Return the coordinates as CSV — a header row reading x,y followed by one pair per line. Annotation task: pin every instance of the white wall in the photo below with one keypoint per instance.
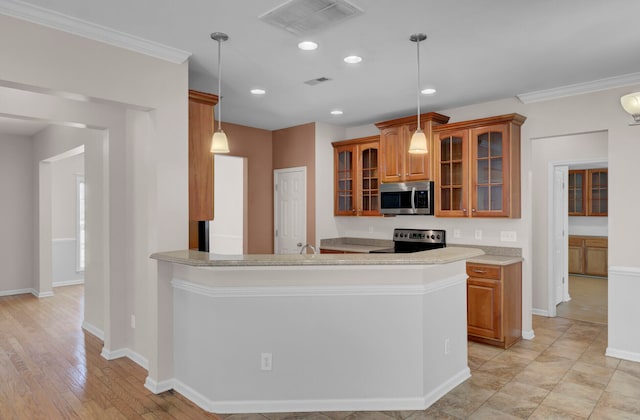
x,y
16,222
63,200
326,226
140,103
588,225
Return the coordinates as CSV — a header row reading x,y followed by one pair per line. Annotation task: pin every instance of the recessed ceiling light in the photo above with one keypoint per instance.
x,y
352,59
258,91
308,45
336,112
428,91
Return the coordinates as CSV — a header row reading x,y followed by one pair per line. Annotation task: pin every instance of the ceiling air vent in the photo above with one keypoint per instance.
x,y
314,82
301,17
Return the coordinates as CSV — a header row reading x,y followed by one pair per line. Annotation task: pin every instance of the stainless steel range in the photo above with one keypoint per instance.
x,y
415,240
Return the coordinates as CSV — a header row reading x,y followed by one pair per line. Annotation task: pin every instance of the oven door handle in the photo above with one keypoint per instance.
x,y
413,200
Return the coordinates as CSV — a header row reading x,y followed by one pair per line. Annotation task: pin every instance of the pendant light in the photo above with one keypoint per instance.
x,y
418,140
219,143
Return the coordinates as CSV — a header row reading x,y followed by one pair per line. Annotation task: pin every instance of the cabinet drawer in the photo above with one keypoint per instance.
x,y
596,242
575,241
483,271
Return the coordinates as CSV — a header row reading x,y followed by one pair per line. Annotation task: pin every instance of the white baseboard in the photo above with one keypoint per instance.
x,y
528,335
126,352
289,406
93,330
37,294
622,354
17,292
541,312
159,387
68,283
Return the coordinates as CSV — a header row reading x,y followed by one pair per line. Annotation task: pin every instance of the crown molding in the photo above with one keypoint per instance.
x,y
70,24
580,88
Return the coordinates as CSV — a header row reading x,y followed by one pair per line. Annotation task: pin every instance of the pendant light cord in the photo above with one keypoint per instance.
x,y
418,91
219,87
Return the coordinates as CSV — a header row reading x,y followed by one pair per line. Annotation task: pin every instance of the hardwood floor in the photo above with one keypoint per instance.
x,y
51,369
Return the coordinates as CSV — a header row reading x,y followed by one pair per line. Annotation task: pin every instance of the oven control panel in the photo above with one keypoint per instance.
x,y
419,235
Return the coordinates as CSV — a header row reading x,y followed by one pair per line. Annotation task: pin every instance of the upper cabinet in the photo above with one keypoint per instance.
x,y
356,177
588,192
396,163
478,167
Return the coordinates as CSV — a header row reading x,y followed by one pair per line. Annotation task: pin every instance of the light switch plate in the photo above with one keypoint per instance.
x,y
478,234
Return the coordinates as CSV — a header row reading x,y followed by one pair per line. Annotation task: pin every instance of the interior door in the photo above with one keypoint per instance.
x,y
290,210
560,248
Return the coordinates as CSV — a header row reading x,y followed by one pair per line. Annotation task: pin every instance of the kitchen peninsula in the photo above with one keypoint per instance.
x,y
286,333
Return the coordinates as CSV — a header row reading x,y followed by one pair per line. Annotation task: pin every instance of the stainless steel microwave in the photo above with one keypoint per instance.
x,y
407,198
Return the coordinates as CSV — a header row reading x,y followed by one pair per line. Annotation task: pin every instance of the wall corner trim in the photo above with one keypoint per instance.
x,y
92,329
158,387
125,352
85,29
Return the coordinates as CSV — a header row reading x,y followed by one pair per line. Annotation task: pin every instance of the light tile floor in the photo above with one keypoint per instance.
x,y
561,374
588,300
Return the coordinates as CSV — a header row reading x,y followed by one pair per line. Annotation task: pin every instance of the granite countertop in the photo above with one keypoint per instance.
x,y
436,256
495,259
359,245
494,255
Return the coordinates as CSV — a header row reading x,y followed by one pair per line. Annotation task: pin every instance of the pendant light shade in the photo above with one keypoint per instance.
x,y
418,143
219,143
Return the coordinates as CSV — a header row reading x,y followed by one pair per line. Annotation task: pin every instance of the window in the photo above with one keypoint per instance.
x,y
80,225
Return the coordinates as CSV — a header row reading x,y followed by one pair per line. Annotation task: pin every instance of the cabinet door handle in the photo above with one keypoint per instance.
x,y
473,210
479,271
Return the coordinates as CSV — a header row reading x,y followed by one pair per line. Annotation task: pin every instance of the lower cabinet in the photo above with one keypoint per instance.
x,y
588,255
494,303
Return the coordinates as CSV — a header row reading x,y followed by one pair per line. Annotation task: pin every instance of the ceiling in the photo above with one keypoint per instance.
x,y
20,127
476,51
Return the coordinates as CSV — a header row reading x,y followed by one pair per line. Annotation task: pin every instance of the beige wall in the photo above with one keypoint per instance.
x,y
293,147
256,145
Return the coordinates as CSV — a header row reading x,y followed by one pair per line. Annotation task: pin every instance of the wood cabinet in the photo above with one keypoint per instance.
x,y
588,192
356,177
477,170
396,163
589,255
494,303
201,106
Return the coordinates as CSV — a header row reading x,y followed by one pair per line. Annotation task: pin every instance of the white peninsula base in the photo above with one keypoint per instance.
x,y
311,338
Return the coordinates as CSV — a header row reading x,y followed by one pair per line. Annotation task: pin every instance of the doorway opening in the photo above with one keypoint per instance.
x,y
228,233
572,293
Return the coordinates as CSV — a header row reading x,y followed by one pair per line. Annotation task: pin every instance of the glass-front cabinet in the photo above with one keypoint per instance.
x,y
577,193
478,167
490,170
588,192
356,177
451,197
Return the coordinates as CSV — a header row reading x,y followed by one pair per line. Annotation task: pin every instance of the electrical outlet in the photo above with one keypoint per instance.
x,y
478,234
266,361
370,229
133,321
457,233
508,236
447,346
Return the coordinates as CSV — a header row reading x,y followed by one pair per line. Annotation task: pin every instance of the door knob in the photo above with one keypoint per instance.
x,y
299,244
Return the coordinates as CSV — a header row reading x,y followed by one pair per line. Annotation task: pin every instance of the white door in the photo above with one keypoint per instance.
x,y
560,223
290,210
